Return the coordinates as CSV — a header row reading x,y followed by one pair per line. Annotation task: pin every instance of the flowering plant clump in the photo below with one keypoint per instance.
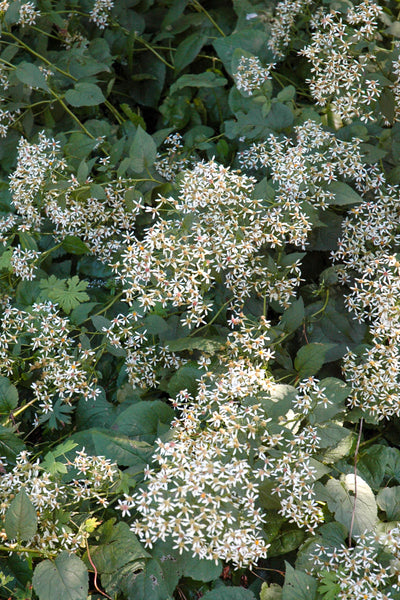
x,y
199,300
29,487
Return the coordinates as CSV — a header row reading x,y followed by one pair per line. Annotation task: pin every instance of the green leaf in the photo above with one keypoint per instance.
x,y
342,502
288,93
393,463
337,439
8,396
336,392
298,585
271,592
52,466
286,541
31,75
100,322
141,420
344,194
118,546
188,49
115,446
66,577
84,94
279,117
68,293
20,520
372,464
252,40
293,316
74,245
154,324
94,412
279,400
229,593
142,152
27,241
81,312
209,346
200,80
329,586
5,259
162,573
310,358
10,444
388,499
185,378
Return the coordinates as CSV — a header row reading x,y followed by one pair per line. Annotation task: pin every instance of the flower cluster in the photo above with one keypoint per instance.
x,y
396,84
97,217
205,494
100,13
286,13
309,396
250,74
341,72
143,358
92,476
370,265
22,262
174,161
359,572
301,174
58,370
41,189
7,117
28,14
213,231
37,165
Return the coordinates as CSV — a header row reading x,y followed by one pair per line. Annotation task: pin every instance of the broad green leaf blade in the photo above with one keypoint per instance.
x,y
74,245
115,446
279,400
84,94
342,502
141,420
298,585
10,444
143,151
344,194
286,541
293,317
20,518
66,578
270,592
119,546
210,346
188,49
336,392
310,358
31,75
388,499
200,80
185,378
8,396
155,324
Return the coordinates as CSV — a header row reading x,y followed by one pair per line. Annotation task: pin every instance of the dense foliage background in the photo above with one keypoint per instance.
x,y
199,312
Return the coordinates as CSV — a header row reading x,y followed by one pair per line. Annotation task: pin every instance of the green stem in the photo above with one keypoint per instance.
x,y
209,17
18,412
9,549
69,111
324,306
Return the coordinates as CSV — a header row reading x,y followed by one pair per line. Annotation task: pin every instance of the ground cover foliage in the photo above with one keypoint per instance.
x,y
199,314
